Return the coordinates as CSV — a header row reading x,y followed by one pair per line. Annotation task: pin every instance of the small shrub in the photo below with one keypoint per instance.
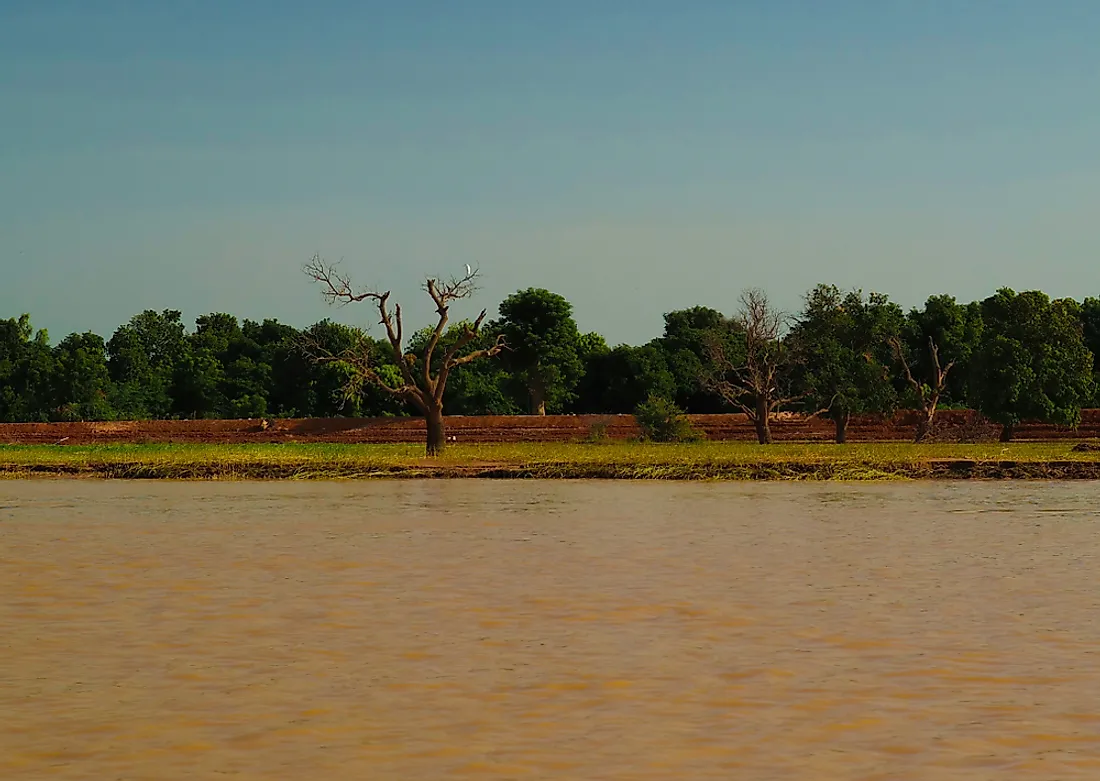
x,y
976,429
662,421
597,432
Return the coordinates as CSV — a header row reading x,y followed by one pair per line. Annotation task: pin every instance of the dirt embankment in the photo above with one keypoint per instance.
x,y
952,426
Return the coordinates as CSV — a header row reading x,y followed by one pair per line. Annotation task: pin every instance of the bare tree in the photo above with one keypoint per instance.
x,y
754,385
927,396
422,381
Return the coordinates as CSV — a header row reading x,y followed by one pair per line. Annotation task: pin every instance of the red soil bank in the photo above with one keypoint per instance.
x,y
518,428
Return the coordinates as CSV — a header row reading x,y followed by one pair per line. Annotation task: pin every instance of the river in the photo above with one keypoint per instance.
x,y
557,630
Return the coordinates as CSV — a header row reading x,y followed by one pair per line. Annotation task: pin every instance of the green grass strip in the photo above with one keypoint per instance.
x,y
616,460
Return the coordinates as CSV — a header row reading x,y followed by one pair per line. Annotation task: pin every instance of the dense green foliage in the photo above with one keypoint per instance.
x,y
841,349
543,353
1031,362
662,421
1014,356
956,330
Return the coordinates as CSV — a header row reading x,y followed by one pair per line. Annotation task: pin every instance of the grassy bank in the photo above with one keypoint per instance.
x,y
703,461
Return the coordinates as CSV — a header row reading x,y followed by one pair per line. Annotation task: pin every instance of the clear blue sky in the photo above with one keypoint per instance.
x,y
635,156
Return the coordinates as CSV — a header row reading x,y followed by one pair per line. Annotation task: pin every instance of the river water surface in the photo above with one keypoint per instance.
x,y
572,630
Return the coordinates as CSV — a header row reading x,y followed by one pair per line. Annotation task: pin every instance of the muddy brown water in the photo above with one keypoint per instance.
x,y
572,630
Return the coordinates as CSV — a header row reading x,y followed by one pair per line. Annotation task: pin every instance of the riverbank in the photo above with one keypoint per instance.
x,y
952,426
630,461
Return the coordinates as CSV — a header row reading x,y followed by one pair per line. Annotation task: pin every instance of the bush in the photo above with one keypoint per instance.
x,y
662,421
597,432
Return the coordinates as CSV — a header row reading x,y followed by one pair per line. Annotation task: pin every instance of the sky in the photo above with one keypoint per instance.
x,y
634,156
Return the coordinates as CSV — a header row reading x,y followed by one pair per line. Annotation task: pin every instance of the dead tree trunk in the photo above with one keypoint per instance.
x,y
925,423
1007,430
424,378
753,386
928,396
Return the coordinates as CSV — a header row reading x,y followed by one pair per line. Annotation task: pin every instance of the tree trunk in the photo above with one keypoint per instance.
x,y
436,436
761,421
927,421
841,422
924,428
1006,432
538,399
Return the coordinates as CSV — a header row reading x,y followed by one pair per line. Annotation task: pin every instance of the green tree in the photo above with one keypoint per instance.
x,y
592,350
1031,362
197,378
329,384
1090,331
686,342
275,350
590,344
617,380
229,374
82,385
955,329
841,343
26,372
14,335
142,359
662,421
542,349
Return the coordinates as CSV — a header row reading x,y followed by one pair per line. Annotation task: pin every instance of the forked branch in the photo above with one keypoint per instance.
x,y
928,396
752,386
360,360
442,294
425,387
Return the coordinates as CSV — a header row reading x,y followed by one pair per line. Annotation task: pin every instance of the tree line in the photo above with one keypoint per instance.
x,y
1011,356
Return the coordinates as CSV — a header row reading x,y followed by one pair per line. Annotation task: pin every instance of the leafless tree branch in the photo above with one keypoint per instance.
x,y
425,391
336,288
928,396
443,293
358,357
754,386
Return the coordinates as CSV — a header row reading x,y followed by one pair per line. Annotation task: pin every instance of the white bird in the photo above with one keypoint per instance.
x,y
469,270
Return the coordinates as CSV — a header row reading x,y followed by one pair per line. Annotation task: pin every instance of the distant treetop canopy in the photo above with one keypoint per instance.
x,y
1012,356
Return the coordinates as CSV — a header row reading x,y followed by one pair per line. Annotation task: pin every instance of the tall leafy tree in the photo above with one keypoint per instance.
x,y
26,372
82,385
1090,332
142,359
955,329
686,344
1031,362
195,390
617,380
933,352
276,350
330,388
542,350
592,349
841,344
232,375
14,335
